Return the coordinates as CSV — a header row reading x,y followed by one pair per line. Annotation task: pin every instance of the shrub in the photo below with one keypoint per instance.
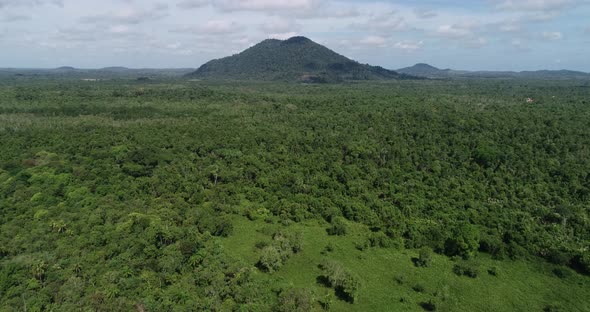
x,y
295,300
400,279
223,227
418,288
329,248
552,308
469,270
464,241
581,263
428,305
261,244
270,259
338,227
343,281
561,272
379,239
493,271
424,258
326,302
283,245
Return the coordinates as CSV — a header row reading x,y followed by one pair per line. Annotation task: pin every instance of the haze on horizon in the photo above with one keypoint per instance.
x,y
478,35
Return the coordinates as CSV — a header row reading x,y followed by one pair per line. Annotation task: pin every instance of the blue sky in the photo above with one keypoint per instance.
x,y
469,34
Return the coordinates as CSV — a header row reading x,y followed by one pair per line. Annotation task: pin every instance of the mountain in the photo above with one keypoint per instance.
x,y
428,71
294,59
424,70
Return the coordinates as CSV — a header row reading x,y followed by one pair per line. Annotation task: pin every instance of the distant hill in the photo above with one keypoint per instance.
x,y
65,68
115,68
294,59
428,71
424,70
106,73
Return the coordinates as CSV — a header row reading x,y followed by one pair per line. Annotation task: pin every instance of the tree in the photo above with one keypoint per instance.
x,y
463,242
338,227
270,259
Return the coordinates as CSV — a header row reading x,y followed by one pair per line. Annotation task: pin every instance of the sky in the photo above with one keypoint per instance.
x,y
466,34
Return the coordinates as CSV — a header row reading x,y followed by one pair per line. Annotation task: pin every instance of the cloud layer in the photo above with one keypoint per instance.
x,y
186,33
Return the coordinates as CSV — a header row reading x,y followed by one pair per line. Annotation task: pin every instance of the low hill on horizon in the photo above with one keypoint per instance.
x,y
294,59
429,71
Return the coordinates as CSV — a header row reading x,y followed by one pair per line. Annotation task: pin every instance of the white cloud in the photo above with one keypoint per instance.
x,y
375,41
128,15
552,35
509,26
9,18
266,5
534,5
193,4
279,25
17,3
425,13
454,31
520,45
539,10
477,42
343,12
409,46
385,22
212,27
282,36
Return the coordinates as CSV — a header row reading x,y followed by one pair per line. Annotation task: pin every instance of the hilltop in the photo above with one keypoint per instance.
x,y
294,59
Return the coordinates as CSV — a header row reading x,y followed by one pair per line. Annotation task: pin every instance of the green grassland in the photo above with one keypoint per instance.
x,y
518,285
178,195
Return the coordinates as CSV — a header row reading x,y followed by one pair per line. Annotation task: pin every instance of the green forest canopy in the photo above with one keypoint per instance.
x,y
132,195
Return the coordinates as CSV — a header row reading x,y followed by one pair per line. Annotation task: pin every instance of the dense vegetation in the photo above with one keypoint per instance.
x,y
294,59
183,196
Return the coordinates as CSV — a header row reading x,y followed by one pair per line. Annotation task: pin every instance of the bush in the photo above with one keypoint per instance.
x,y
362,245
419,288
581,263
400,279
465,269
326,302
283,246
561,272
343,281
338,227
424,258
428,305
295,300
270,259
464,241
552,308
558,257
329,248
493,271
223,227
379,239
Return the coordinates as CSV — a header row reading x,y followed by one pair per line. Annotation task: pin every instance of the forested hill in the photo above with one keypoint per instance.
x,y
294,59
